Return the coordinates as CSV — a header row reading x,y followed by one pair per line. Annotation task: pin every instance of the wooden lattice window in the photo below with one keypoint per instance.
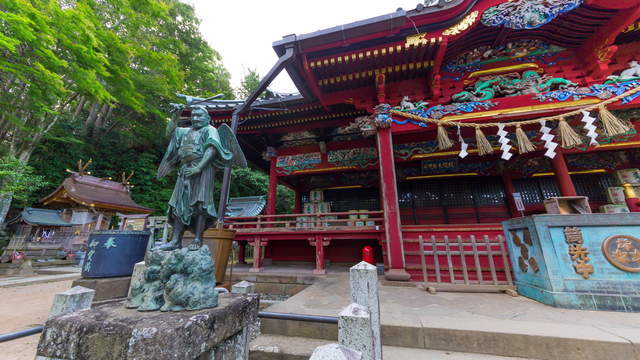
x,y
535,190
593,186
352,199
452,200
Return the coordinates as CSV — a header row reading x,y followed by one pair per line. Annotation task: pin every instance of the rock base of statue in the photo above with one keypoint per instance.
x,y
176,280
112,332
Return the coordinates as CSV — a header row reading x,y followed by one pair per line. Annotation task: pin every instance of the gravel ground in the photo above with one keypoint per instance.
x,y
22,307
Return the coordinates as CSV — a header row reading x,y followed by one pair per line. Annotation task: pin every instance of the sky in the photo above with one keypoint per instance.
x,y
242,31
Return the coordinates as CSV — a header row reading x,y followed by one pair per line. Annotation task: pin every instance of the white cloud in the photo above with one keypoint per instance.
x,y
243,31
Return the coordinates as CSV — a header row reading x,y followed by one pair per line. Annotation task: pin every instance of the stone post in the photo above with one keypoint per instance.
x,y
137,277
75,299
335,352
354,330
243,287
364,291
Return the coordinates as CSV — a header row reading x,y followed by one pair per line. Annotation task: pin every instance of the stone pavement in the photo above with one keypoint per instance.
x,y
44,275
16,281
271,347
496,324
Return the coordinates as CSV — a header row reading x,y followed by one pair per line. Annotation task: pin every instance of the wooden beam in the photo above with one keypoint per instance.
x,y
433,79
597,52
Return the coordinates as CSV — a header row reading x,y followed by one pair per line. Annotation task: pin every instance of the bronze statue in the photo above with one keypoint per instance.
x,y
196,152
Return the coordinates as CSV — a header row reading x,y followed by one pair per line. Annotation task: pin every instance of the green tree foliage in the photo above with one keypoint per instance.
x,y
107,63
249,83
92,79
18,179
96,67
247,182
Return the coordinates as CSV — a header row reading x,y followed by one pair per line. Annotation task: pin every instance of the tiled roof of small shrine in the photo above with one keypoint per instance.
x,y
91,191
43,217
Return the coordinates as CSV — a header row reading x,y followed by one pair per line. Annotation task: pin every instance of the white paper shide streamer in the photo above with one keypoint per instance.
x,y
588,120
463,145
504,143
547,137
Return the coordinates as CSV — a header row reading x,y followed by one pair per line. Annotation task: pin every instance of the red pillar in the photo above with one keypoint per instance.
x,y
562,175
509,189
241,252
320,263
389,195
273,189
257,255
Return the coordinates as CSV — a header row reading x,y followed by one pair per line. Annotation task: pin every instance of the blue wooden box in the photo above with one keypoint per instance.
x,y
588,262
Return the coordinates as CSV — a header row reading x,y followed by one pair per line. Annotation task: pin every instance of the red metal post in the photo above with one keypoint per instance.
x,y
273,189
509,189
562,175
367,255
389,195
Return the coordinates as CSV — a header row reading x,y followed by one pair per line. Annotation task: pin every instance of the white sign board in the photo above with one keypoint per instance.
x,y
517,198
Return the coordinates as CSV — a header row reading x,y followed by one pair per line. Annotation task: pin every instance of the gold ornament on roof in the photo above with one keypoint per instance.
x,y
463,25
417,39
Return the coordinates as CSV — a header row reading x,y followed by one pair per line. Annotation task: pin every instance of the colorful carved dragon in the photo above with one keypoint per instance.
x,y
511,84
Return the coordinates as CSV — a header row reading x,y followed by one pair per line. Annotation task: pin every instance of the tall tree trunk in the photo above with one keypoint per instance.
x,y
5,205
91,119
80,106
101,117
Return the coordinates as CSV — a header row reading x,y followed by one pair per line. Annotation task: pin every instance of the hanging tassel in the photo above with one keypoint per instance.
x,y
611,124
524,144
568,137
483,145
443,138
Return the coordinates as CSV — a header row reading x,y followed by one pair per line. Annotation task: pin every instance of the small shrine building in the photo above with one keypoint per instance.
x,y
89,202
416,128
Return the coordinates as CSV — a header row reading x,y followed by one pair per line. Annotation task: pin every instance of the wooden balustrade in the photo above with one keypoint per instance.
x,y
462,261
303,222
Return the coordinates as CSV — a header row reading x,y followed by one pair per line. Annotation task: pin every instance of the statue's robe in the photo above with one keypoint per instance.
x,y
193,195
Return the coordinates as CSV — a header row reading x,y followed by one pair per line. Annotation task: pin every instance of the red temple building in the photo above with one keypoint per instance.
x,y
412,131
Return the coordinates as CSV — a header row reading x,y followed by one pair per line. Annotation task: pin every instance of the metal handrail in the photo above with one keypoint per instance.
x,y
262,314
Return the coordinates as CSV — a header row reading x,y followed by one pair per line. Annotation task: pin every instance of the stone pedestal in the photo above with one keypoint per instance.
x,y
106,288
586,262
111,331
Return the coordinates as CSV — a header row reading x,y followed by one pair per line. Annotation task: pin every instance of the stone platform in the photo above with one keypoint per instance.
x,y
111,331
493,324
106,288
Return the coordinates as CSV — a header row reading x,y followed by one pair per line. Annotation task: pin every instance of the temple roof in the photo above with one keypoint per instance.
x,y
43,217
246,206
94,192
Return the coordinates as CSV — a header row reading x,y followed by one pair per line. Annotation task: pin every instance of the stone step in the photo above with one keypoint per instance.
x,y
274,347
528,339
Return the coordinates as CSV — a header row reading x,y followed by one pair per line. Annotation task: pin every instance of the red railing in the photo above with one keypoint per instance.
x,y
361,220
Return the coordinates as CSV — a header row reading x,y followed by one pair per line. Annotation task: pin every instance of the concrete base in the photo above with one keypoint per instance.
x,y
255,270
397,275
106,288
320,272
112,332
583,301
